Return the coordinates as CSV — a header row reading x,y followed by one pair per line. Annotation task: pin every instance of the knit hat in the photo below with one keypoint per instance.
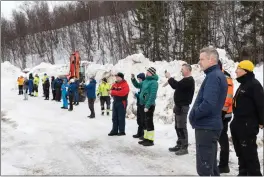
x,y
104,80
246,65
152,70
120,75
141,76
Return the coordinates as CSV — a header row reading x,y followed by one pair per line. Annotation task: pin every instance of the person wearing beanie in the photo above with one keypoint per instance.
x,y
119,92
248,104
53,87
226,118
91,95
104,92
140,116
147,97
183,95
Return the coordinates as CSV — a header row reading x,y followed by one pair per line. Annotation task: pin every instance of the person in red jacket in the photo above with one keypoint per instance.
x,y
119,92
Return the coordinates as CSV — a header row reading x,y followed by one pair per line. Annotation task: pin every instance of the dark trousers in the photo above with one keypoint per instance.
x,y
35,88
20,89
76,97
105,100
244,137
71,97
140,120
91,105
206,152
46,93
181,113
119,116
53,94
149,124
224,145
58,94
43,88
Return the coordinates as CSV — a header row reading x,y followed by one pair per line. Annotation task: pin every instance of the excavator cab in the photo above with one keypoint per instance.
x,y
77,71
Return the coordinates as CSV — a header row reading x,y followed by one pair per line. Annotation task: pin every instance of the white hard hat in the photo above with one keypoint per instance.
x,y
71,80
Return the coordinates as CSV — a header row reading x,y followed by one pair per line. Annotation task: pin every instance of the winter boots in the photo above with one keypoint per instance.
x,y
179,149
139,134
148,139
224,169
175,149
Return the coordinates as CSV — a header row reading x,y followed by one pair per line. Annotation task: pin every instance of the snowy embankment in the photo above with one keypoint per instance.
x,y
42,138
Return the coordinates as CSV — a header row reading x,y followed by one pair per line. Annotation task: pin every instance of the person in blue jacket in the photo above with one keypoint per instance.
x,y
206,114
91,95
30,84
64,91
76,94
71,92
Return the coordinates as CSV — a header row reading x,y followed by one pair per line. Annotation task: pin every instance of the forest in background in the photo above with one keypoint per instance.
x,y
108,31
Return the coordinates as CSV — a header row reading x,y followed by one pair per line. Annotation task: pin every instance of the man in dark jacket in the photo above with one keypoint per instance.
x,y
119,92
248,109
46,87
183,95
140,119
205,116
58,83
91,95
53,87
71,92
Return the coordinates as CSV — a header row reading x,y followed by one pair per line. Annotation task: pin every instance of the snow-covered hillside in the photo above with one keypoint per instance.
x,y
39,138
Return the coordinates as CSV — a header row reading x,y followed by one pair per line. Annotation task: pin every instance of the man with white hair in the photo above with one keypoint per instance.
x,y
205,116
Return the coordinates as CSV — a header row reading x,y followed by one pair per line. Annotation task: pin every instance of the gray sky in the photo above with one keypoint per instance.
x,y
8,6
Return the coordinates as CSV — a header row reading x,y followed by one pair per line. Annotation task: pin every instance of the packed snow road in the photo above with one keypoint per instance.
x,y
38,138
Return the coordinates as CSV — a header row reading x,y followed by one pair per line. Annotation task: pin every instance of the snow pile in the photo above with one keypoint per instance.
x,y
9,75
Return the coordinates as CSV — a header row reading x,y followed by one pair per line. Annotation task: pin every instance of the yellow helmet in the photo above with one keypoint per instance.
x,y
246,65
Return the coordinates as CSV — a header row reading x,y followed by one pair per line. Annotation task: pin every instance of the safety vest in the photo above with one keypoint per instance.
x,y
103,89
20,81
36,81
229,97
44,79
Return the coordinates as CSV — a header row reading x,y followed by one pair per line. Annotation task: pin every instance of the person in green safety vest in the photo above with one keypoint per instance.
x,y
103,92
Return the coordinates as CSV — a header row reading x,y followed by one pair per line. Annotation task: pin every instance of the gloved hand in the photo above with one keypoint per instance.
x,y
145,109
133,76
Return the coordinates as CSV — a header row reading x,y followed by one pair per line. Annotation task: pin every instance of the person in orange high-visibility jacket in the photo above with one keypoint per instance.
x,y
226,117
20,82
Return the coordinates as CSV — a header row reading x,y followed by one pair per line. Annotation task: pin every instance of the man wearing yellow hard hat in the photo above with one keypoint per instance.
x,y
248,105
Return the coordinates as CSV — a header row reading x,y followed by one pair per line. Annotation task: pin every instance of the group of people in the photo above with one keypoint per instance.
x,y
213,109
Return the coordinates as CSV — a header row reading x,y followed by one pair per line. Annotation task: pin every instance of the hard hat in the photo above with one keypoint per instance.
x,y
246,65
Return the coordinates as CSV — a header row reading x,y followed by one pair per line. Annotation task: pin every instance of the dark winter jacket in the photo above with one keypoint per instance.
x,y
90,89
248,104
184,90
207,109
120,91
58,83
46,84
149,88
72,88
52,83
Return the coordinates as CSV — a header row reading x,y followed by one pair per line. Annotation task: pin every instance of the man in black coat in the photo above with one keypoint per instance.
x,y
248,109
46,87
183,95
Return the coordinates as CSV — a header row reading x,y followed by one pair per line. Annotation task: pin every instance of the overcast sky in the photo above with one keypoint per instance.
x,y
8,6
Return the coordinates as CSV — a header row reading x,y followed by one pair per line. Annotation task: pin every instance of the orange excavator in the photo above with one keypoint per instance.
x,y
77,71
